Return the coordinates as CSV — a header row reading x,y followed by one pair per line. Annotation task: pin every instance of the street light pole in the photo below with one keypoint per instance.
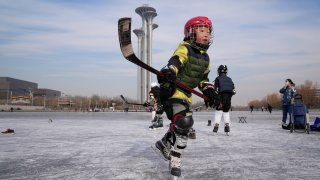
x,y
57,102
44,102
8,96
31,95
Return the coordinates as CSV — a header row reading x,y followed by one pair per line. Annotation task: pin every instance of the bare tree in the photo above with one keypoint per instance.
x,y
308,91
274,100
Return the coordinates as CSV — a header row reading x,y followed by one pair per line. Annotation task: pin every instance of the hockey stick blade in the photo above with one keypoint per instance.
x,y
124,32
124,99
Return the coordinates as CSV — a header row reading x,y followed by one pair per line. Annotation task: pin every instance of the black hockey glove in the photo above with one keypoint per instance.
x,y
209,91
167,83
168,75
146,104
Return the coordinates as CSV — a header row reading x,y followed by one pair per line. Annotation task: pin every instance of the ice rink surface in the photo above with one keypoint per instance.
x,y
116,145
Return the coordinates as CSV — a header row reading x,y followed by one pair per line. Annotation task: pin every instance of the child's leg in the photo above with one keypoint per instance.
x,y
181,124
217,116
226,118
175,140
217,119
226,108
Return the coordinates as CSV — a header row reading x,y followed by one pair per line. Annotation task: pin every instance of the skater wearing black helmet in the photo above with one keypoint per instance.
x,y
225,88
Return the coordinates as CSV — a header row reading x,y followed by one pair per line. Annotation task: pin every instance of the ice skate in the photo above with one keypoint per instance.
x,y
157,125
156,118
192,134
227,129
152,126
215,129
161,150
209,123
175,165
8,131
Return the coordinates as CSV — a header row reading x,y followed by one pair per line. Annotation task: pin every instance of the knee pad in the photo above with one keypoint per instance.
x,y
182,123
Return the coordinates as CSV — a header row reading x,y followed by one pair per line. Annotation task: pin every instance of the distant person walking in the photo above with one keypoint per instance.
x,y
269,108
251,108
288,92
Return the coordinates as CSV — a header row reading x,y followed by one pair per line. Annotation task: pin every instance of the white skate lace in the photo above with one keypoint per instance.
x,y
166,152
175,162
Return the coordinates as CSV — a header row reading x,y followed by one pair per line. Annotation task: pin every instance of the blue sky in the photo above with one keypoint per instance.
x,y
72,46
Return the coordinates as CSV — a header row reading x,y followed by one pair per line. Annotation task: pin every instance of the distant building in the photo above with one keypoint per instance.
x,y
46,92
20,91
317,95
15,87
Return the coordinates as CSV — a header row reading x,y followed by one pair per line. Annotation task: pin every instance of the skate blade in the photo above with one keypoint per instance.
x,y
227,134
158,152
153,129
214,133
175,177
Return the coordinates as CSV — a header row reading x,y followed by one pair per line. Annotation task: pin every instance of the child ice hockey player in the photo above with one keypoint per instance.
x,y
190,65
157,121
225,88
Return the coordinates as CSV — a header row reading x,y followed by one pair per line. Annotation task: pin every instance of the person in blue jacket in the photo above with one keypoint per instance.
x,y
288,92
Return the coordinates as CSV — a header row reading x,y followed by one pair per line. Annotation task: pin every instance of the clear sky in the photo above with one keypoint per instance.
x,y
72,46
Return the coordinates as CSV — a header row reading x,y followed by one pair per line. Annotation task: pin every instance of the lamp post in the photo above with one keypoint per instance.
x,y
8,96
113,104
58,102
31,95
89,105
44,102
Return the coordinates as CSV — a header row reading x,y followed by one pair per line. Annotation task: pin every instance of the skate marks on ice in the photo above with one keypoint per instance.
x,y
117,146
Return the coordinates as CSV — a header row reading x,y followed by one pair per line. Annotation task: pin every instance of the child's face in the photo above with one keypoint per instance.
x,y
203,34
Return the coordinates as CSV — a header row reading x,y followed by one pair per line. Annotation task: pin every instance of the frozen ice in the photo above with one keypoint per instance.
x,y
117,145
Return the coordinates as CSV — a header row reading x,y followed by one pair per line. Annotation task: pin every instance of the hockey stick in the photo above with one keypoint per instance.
x,y
124,32
130,103
124,99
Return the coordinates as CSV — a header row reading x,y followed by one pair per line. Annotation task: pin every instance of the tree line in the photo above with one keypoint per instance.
x,y
308,91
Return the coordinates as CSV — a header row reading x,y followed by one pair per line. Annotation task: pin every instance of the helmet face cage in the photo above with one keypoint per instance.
x,y
222,69
192,25
193,36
